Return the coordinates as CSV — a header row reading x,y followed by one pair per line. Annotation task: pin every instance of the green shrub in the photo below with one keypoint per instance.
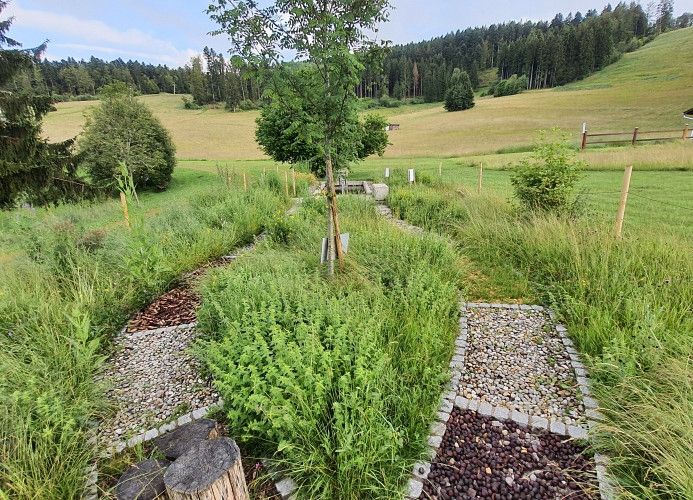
x,y
338,380
188,103
248,105
511,86
546,180
122,129
428,208
460,94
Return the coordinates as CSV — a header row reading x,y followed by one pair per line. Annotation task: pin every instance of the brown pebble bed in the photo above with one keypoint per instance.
x,y
481,457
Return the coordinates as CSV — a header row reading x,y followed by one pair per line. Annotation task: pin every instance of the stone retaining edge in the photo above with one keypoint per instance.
x,y
450,398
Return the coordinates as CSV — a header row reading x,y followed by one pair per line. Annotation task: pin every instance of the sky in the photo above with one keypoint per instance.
x,y
171,31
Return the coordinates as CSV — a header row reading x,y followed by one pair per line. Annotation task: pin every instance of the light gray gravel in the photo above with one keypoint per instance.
x,y
152,378
515,359
385,211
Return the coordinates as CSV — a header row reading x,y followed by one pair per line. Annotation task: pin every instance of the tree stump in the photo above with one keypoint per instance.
x,y
210,470
142,481
177,442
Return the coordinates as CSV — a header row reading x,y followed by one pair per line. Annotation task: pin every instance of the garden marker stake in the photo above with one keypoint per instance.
x,y
440,169
245,183
124,204
481,176
293,180
286,182
624,197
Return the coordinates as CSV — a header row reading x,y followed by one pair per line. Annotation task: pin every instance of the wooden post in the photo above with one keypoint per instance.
x,y
210,470
584,136
685,133
277,165
124,205
481,177
624,197
293,180
440,169
635,135
245,183
286,182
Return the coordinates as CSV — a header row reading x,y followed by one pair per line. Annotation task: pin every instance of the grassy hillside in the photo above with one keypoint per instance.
x,y
648,88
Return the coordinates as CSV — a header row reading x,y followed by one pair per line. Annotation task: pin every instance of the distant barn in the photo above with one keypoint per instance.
x,y
392,126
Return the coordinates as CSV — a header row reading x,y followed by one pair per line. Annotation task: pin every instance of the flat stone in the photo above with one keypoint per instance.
x,y
437,429
150,434
539,422
577,432
445,405
142,481
501,413
485,408
434,441
557,427
461,402
519,418
422,469
177,442
473,405
443,416
414,488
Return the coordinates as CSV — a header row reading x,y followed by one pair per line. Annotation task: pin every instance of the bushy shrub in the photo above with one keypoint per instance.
x,y
546,180
124,130
427,207
188,103
511,86
460,94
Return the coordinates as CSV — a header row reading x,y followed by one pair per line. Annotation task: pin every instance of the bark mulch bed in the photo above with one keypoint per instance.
x,y
177,306
481,457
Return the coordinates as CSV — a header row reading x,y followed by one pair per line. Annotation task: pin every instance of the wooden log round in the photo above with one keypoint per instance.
x,y
210,470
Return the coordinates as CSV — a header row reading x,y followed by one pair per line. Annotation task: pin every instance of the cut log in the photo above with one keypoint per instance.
x,y
142,481
177,442
210,470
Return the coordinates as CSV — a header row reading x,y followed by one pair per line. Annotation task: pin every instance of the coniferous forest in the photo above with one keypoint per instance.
x,y
542,54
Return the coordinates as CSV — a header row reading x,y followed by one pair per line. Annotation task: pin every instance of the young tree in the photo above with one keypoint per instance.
x,y
323,33
123,130
31,169
459,94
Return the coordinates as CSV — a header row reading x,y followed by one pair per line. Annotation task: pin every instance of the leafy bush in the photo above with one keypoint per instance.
x,y
68,290
460,94
122,129
427,207
547,179
248,105
511,86
338,379
188,103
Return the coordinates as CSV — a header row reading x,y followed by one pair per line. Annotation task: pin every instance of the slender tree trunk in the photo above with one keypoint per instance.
x,y
334,240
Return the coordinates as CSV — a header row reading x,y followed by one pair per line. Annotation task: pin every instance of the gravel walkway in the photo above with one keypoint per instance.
x,y
515,360
153,379
385,211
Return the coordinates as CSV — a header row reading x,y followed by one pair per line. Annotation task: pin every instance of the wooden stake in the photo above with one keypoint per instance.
x,y
481,176
584,136
245,183
685,132
124,205
440,169
635,135
624,197
277,165
286,182
293,180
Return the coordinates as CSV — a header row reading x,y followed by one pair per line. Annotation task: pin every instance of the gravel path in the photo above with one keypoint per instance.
x,y
481,457
515,360
153,378
385,211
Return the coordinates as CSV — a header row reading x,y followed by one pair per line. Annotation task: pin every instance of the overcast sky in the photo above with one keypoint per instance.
x,y
171,31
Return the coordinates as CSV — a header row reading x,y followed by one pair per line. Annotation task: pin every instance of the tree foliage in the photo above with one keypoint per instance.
x,y
460,94
511,86
31,169
122,129
288,130
546,181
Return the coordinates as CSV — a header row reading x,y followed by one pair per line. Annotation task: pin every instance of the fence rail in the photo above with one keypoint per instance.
x,y
634,136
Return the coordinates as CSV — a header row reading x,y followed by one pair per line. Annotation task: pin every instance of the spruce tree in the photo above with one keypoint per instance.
x,y
31,169
459,95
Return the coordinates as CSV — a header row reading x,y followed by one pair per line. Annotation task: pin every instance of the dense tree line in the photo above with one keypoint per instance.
x,y
552,53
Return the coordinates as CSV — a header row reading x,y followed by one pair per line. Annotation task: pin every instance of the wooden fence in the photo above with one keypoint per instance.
x,y
636,135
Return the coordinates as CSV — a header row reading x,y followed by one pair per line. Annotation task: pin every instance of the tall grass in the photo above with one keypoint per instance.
x,y
628,307
337,379
61,297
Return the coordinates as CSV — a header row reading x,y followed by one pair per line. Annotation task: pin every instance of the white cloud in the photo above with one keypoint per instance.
x,y
68,31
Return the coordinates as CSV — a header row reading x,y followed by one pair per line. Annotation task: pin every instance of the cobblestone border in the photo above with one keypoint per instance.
x,y
422,469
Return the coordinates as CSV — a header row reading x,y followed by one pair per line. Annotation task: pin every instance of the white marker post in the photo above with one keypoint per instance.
x,y
411,176
387,172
